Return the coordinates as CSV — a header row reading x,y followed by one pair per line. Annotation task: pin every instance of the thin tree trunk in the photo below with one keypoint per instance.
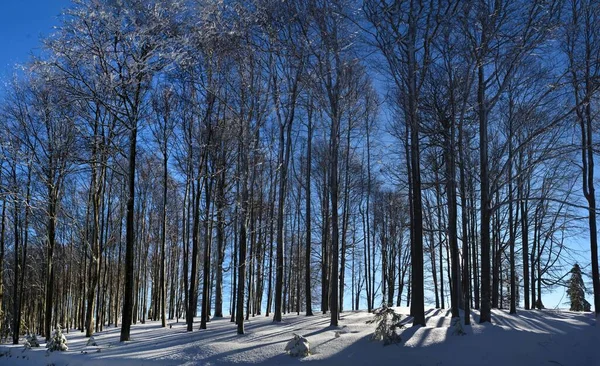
x,y
163,239
193,289
16,306
345,214
2,252
511,224
307,256
464,222
242,236
204,317
220,237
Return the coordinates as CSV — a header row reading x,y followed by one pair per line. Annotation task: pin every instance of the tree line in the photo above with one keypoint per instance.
x,y
167,158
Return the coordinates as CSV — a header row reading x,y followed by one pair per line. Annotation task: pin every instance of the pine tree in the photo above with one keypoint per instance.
x,y
58,341
31,341
576,291
388,321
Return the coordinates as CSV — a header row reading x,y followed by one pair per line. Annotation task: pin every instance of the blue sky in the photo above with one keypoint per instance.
x,y
22,23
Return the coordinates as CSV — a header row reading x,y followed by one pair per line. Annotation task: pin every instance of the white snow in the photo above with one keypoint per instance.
x,y
530,338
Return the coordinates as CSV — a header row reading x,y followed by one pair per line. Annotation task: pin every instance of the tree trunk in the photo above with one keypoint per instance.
x,y
464,222
163,240
242,237
2,252
522,195
486,315
204,317
452,215
345,214
193,290
418,294
129,242
511,224
16,327
307,256
335,250
220,238
51,227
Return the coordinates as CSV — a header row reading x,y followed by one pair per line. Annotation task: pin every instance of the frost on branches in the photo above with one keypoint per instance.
x,y
298,346
387,322
58,341
576,291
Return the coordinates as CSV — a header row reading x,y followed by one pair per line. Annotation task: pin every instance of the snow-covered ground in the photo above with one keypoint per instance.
x,y
530,338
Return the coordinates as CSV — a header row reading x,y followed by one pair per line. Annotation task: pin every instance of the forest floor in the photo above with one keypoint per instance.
x,y
548,337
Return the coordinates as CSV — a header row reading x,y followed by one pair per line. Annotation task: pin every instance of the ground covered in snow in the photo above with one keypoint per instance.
x,y
530,338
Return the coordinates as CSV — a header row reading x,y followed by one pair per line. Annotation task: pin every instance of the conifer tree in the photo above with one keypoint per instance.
x,y
576,291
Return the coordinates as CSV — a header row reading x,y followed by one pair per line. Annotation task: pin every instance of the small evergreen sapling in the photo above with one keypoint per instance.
x,y
34,341
31,341
576,291
58,341
299,346
387,322
91,346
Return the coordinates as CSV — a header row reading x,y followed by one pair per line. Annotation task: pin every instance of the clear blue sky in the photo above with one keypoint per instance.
x,y
22,23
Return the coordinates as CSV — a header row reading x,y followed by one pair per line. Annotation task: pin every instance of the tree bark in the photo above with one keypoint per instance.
x,y
129,241
307,255
485,201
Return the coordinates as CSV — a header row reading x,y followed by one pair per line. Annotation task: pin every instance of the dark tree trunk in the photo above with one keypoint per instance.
x,y
285,141
345,215
163,239
486,315
220,238
242,237
452,216
2,252
464,222
511,224
418,293
307,256
325,247
522,195
51,227
204,315
129,241
335,250
16,306
193,290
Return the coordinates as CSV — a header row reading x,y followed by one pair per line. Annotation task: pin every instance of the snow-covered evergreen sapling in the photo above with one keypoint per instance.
x,y
576,291
298,346
31,341
58,341
92,342
387,322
